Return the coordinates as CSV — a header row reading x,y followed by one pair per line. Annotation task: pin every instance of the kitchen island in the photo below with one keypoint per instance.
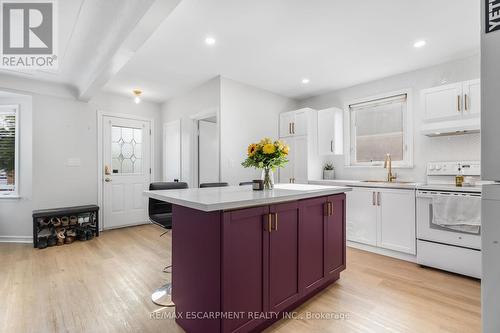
x,y
241,258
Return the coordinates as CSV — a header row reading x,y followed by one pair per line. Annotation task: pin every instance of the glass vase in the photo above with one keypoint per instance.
x,y
268,178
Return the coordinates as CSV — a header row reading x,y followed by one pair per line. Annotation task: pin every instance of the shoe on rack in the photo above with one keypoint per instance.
x,y
64,221
52,240
44,222
73,220
42,242
56,222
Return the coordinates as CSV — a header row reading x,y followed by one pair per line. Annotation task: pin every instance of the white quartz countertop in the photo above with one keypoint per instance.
x,y
233,197
361,183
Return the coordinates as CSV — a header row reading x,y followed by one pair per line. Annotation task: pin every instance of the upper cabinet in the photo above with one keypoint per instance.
x,y
298,129
452,101
330,131
294,123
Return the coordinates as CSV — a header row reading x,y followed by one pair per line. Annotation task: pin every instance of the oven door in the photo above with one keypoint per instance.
x,y
428,231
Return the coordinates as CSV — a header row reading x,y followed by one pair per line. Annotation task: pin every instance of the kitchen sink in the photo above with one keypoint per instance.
x,y
386,182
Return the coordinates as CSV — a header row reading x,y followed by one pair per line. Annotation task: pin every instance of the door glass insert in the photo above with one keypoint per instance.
x,y
126,149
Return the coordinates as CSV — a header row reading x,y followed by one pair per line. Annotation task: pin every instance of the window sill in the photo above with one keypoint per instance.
x,y
405,166
10,196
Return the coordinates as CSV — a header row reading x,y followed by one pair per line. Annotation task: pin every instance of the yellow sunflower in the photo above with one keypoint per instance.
x,y
251,149
286,149
268,148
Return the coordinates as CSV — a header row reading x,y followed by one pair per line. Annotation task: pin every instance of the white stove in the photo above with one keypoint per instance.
x,y
437,245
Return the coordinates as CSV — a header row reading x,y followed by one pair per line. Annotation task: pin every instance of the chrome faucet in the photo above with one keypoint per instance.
x,y
388,166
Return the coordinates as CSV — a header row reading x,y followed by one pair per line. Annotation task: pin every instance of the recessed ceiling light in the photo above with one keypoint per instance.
x,y
137,94
419,43
210,41
305,80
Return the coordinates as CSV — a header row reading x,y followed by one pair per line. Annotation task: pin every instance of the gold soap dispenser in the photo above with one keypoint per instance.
x,y
459,179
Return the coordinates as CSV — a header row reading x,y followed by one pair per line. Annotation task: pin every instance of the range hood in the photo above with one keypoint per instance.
x,y
452,127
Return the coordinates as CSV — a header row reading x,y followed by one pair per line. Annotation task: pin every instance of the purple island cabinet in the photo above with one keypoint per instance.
x,y
237,271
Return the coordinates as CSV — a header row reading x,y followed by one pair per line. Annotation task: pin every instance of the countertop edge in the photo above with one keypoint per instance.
x,y
358,183
249,203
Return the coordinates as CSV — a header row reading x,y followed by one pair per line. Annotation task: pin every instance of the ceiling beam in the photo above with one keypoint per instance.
x,y
112,62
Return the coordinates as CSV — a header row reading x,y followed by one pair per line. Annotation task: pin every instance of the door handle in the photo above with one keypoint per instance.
x,y
330,208
289,128
373,199
458,104
267,226
293,128
106,170
466,102
331,146
378,198
107,179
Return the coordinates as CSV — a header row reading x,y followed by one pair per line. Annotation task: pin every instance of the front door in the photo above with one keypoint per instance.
x,y
126,157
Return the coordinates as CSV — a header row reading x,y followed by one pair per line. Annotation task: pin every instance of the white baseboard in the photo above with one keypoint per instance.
x,y
16,239
384,252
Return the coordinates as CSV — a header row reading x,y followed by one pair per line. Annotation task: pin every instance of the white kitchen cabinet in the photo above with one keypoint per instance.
x,y
442,102
452,101
286,121
396,227
298,129
382,217
472,97
295,123
330,131
361,217
299,126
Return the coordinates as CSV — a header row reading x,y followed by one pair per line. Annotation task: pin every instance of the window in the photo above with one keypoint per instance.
x,y
380,126
8,150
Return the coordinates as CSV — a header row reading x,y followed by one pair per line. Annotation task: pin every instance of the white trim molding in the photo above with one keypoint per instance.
x,y
16,239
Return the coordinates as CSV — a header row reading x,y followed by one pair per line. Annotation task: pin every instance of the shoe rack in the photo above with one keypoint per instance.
x,y
63,226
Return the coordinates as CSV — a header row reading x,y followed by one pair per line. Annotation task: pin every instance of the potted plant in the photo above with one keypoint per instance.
x,y
267,155
328,171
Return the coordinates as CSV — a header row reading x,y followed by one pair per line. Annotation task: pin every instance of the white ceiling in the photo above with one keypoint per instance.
x,y
273,44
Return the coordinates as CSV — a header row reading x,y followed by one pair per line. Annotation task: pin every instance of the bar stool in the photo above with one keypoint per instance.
x,y
160,213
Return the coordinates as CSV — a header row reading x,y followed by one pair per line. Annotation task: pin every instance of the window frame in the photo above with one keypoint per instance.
x,y
350,145
7,109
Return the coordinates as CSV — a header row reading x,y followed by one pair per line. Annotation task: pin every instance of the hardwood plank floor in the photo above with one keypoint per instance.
x,y
104,285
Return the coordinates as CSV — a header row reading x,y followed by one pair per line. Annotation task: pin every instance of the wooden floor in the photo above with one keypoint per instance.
x,y
104,285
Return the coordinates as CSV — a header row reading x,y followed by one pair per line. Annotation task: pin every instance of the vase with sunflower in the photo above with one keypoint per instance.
x,y
267,155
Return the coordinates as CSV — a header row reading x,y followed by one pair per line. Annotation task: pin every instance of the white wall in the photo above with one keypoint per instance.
x,y
62,128
465,147
204,98
15,213
248,114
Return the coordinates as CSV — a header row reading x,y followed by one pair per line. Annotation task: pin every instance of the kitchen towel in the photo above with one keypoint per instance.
x,y
461,213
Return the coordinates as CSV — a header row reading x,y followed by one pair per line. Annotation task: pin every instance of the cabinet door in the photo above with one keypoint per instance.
x,y
326,135
245,248
472,98
362,216
396,230
286,120
443,102
335,236
300,122
311,243
300,160
283,256
286,173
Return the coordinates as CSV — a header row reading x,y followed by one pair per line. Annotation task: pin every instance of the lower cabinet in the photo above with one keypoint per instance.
x,y
273,256
382,217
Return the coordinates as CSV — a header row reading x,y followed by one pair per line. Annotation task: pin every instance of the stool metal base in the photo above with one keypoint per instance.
x,y
163,296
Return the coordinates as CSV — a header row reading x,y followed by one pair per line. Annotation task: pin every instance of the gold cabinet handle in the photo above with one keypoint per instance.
x,y
330,204
325,209
373,198
458,104
466,102
275,222
269,217
293,128
289,128
378,198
